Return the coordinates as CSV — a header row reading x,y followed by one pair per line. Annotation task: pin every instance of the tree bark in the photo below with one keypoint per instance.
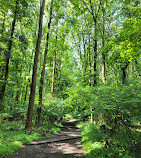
x,y
53,73
95,53
59,75
54,64
33,85
94,16
103,44
90,63
8,53
26,92
43,71
85,60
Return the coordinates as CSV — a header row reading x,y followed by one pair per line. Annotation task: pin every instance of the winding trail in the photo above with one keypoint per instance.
x,y
65,144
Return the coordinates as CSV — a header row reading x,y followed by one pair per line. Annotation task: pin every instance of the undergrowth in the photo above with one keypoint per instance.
x,y
13,136
98,144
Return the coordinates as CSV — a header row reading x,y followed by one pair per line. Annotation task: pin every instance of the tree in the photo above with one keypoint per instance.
x,y
43,69
33,85
54,63
103,45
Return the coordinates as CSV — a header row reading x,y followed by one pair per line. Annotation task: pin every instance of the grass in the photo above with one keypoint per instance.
x,y
12,137
94,139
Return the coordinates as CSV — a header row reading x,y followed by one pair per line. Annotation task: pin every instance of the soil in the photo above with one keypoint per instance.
x,y
65,144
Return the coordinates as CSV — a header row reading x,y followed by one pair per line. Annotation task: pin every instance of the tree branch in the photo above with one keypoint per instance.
x,y
87,7
98,9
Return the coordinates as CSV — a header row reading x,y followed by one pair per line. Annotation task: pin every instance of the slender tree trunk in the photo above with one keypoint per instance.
x,y
92,116
82,62
43,72
103,44
17,84
90,63
33,85
84,47
54,64
8,55
59,75
53,74
26,92
94,16
95,53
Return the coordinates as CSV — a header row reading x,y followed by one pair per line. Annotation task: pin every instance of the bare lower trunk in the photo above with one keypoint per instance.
x,y
33,85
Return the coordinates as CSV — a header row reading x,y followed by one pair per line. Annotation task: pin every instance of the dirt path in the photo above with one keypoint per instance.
x,y
65,144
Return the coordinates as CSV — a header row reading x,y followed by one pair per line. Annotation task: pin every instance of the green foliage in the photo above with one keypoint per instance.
x,y
53,109
98,143
117,101
116,107
12,136
118,36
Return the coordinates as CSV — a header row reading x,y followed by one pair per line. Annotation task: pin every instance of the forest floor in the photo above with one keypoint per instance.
x,y
65,144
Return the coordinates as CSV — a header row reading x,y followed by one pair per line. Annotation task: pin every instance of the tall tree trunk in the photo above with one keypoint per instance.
x,y
90,63
103,44
43,72
53,73
82,59
59,75
84,47
8,53
95,53
94,16
33,85
54,64
95,62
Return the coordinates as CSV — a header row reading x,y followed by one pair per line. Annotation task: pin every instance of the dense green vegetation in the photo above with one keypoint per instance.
x,y
12,136
99,143
66,60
